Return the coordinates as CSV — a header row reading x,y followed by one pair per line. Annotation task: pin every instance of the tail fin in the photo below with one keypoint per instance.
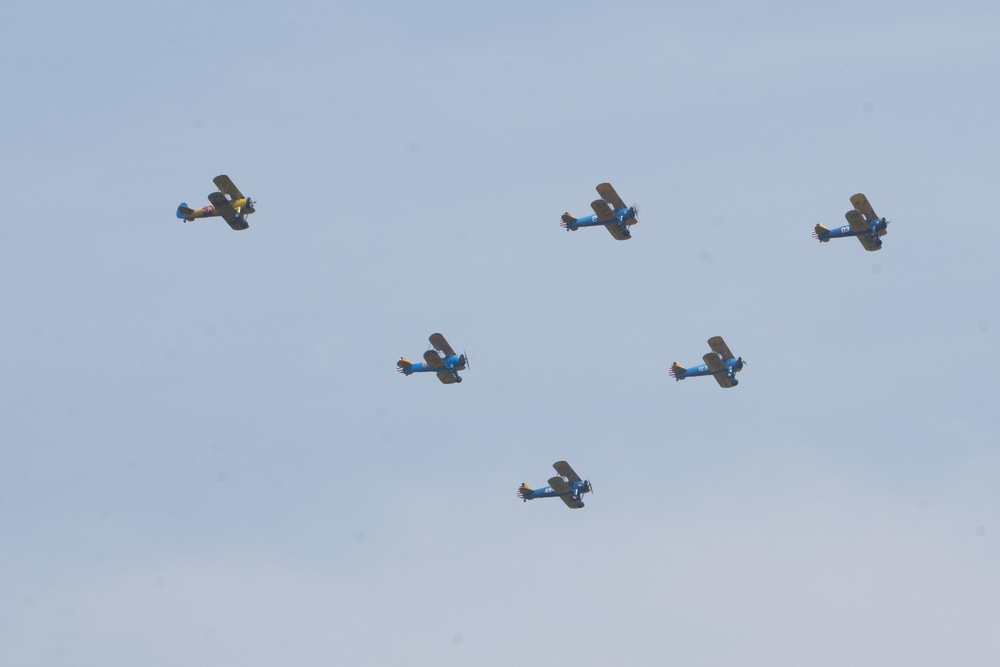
x,y
819,231
568,221
403,366
183,211
523,491
677,371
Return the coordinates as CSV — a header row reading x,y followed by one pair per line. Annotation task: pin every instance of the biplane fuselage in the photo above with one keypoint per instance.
x,y
452,363
730,366
210,211
623,216
576,489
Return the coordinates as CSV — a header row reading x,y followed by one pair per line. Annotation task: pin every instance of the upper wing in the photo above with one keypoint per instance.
x,y
433,359
226,187
719,347
565,471
226,210
603,211
447,377
439,343
860,202
609,195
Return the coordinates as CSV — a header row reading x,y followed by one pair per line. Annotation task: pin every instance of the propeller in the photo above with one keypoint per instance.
x,y
634,210
586,484
465,360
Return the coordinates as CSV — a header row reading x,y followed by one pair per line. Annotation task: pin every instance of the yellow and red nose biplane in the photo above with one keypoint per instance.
x,y
228,202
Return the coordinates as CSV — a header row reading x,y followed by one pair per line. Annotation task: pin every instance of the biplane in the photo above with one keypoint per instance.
x,y
446,366
228,202
720,363
609,211
567,486
861,222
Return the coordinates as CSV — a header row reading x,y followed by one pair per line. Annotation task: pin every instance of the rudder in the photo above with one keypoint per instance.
x,y
819,231
677,371
569,222
183,211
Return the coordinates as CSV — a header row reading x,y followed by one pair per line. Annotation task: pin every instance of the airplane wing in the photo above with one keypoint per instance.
x,y
868,242
447,377
439,343
607,216
603,211
719,347
718,368
565,471
857,222
226,210
860,202
226,187
433,359
609,195
562,488
559,485
570,503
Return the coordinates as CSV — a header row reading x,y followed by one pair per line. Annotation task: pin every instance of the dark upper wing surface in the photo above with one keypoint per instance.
x,y
439,343
609,195
226,187
566,471
860,202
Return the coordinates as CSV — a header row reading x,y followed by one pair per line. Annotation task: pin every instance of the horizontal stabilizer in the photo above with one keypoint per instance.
x,y
677,371
524,492
403,366
183,211
568,221
820,232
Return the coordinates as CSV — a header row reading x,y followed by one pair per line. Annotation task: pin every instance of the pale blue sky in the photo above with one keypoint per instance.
x,y
208,459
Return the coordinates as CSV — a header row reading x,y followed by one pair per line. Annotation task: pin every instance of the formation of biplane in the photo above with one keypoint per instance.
x,y
611,212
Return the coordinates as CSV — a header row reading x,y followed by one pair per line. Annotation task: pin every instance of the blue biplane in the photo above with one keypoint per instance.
x,y
446,366
719,363
609,211
861,222
567,486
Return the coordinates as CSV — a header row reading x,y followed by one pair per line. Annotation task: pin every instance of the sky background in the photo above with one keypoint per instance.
x,y
207,458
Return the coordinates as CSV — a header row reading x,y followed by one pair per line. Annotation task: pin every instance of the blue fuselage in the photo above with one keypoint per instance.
x,y
876,228
731,366
576,489
451,363
623,216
